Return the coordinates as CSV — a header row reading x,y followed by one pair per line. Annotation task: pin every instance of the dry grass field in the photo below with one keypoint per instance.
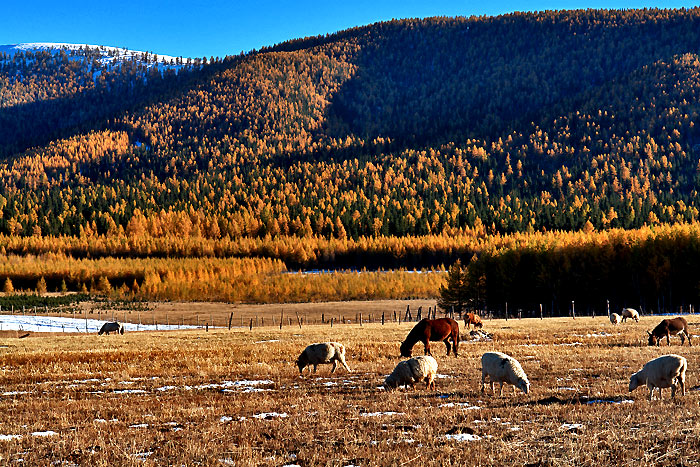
x,y
235,398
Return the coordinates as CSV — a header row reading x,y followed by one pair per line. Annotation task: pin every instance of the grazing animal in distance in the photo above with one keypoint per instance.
x,y
667,328
615,318
502,368
473,318
441,329
324,352
111,327
662,372
629,313
411,371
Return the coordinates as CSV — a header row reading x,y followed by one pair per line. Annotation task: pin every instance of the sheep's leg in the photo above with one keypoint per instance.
x,y
342,361
315,366
681,382
335,365
483,379
673,391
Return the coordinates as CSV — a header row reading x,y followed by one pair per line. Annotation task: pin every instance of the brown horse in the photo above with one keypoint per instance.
x,y
432,330
471,318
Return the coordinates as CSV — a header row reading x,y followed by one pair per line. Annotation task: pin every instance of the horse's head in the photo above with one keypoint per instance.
x,y
405,349
652,339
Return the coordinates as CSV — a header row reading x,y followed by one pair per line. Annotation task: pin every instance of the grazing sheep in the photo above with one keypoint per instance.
x,y
325,352
615,318
111,327
663,372
502,368
411,371
630,313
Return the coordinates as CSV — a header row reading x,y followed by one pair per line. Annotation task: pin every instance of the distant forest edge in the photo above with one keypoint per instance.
x,y
653,269
573,120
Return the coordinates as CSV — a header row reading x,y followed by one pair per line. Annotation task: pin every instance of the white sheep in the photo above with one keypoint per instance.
x,y
325,352
502,368
413,370
629,313
615,318
662,372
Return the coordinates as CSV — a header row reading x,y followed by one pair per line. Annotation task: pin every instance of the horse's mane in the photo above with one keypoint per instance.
x,y
416,333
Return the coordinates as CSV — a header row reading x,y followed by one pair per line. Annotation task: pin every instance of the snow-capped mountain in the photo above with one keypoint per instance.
x,y
105,55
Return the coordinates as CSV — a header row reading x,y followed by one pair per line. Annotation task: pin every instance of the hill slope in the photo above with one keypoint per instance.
x,y
558,120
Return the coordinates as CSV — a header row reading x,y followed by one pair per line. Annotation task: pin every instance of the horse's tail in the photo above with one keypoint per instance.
x,y
455,337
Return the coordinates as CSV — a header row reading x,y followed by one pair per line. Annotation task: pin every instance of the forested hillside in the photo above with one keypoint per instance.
x,y
527,122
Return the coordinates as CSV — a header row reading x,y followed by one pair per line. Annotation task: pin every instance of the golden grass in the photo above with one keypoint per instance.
x,y
162,398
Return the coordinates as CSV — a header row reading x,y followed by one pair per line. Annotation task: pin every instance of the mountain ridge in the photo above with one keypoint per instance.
x,y
555,120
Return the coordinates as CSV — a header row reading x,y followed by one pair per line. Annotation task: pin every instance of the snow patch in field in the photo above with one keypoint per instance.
x,y
166,388
142,455
438,376
270,415
381,414
571,426
129,391
139,425
463,437
265,342
566,389
9,437
44,434
462,405
14,393
604,401
39,323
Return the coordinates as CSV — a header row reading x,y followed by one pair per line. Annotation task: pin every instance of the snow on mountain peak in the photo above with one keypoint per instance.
x,y
108,54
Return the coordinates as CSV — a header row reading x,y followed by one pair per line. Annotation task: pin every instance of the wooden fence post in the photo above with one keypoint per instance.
x,y
382,318
360,318
251,324
540,311
298,320
281,318
230,319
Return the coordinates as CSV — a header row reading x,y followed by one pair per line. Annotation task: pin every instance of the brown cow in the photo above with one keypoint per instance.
x,y
473,318
668,327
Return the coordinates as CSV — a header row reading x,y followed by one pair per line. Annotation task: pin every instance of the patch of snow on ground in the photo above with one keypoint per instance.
x,y
9,437
129,391
462,405
268,415
381,414
264,342
139,425
571,426
463,437
603,401
44,434
40,323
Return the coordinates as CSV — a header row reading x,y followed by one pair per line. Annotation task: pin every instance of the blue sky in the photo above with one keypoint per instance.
x,y
196,28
